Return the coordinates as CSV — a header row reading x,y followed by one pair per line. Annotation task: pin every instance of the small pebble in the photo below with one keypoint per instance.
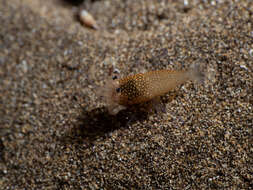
x,y
186,3
87,19
251,52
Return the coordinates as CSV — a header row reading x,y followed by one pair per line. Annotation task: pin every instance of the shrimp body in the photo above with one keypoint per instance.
x,y
143,87
135,89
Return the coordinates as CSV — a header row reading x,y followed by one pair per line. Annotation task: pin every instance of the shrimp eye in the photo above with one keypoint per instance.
x,y
114,77
117,90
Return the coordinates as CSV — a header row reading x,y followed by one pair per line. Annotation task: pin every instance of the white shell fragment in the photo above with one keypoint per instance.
x,y
87,19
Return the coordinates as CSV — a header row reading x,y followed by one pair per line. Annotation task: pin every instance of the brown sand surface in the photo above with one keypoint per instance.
x,y
55,133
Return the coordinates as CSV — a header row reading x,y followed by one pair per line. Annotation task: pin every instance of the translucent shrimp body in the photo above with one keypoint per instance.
x,y
143,87
140,88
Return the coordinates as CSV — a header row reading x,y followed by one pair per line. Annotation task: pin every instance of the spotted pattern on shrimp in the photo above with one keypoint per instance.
x,y
143,87
132,88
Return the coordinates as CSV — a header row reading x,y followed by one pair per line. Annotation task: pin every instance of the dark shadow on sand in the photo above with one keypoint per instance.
x,y
73,2
77,2
98,123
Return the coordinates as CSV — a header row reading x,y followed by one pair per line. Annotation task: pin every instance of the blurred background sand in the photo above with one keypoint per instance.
x,y
56,134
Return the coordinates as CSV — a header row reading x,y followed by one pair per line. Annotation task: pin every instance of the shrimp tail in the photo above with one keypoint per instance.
x,y
196,74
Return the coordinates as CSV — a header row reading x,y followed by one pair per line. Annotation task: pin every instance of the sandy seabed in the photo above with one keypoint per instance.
x,y
55,133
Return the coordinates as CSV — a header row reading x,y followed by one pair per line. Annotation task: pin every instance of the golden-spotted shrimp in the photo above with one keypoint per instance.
x,y
143,87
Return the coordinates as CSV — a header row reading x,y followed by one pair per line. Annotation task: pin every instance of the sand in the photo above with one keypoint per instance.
x,y
55,133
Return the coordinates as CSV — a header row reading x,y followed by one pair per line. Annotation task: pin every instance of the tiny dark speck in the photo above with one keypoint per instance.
x,y
118,90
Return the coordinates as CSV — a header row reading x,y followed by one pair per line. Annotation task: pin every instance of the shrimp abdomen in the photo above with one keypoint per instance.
x,y
162,81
